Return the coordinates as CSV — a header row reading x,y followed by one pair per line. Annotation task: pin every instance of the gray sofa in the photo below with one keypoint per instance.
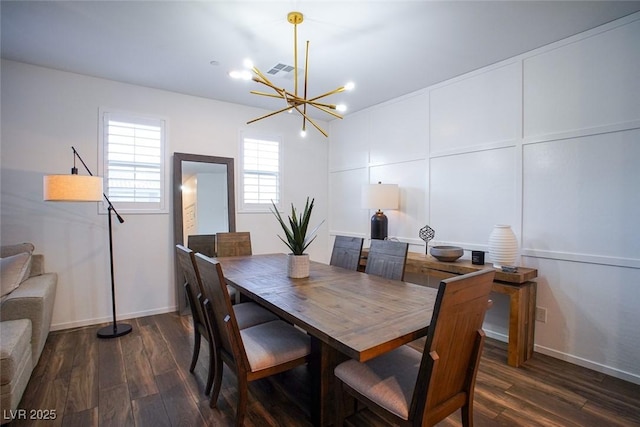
x,y
26,308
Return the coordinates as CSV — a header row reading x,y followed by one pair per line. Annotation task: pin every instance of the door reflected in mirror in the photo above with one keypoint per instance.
x,y
203,201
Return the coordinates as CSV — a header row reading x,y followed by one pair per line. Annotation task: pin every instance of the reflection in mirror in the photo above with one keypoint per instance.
x,y
203,201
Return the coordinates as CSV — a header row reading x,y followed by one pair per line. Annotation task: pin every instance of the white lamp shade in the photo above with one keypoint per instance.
x,y
72,188
380,196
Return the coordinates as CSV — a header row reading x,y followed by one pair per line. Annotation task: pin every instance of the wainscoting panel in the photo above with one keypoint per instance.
x,y
346,215
577,196
589,303
485,108
470,193
400,130
587,84
349,142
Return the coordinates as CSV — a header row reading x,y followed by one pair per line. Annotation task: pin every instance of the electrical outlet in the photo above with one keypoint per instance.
x,y
541,314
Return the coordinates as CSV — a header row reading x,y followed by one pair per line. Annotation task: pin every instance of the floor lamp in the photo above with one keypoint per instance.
x,y
79,188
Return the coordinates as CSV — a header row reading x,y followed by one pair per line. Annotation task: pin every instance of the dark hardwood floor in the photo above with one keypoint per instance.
x,y
142,379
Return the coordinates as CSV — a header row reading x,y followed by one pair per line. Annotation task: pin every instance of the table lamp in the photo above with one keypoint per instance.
x,y
82,188
379,196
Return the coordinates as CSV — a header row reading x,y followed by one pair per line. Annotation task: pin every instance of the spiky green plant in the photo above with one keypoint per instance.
x,y
296,232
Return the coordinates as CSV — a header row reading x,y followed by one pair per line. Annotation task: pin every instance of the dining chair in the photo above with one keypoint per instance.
x,y
346,252
203,243
387,259
252,353
237,243
412,388
248,314
233,244
193,289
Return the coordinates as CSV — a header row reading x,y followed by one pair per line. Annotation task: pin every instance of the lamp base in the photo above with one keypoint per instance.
x,y
114,331
379,226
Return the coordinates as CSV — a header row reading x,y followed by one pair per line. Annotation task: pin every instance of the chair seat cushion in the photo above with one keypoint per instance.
x,y
274,343
387,380
249,314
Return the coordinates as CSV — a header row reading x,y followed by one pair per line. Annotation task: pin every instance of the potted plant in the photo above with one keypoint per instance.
x,y
297,239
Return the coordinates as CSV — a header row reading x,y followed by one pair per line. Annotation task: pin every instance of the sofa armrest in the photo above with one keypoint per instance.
x,y
33,300
37,265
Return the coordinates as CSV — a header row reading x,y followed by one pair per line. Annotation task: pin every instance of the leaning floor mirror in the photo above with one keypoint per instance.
x,y
203,202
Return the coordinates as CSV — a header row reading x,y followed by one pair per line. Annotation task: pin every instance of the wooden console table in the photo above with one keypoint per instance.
x,y
518,286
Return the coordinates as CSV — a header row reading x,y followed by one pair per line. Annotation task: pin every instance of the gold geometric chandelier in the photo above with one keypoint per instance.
x,y
292,100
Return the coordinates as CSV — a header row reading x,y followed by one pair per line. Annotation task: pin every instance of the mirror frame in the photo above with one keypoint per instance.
x,y
178,232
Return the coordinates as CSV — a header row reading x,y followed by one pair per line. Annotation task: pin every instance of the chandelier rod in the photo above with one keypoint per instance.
x,y
306,71
312,122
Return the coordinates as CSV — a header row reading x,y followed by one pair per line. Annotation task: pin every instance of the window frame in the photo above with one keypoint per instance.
x,y
244,207
162,207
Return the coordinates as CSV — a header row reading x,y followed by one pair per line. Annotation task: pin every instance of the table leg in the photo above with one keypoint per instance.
x,y
323,361
522,301
531,320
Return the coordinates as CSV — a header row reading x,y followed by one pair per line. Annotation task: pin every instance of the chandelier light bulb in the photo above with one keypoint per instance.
x,y
248,63
303,133
341,108
349,86
240,75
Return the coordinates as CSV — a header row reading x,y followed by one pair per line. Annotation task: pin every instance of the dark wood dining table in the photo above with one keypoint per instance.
x,y
348,314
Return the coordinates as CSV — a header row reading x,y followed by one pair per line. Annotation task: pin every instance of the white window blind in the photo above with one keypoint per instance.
x,y
134,162
260,172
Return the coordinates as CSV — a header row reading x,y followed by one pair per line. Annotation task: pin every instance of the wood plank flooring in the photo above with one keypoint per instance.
x,y
142,379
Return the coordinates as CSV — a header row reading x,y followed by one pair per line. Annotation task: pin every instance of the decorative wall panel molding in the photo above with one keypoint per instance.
x,y
470,193
587,84
581,195
482,109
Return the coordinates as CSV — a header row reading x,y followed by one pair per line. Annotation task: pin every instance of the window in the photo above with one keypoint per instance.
x,y
133,162
260,171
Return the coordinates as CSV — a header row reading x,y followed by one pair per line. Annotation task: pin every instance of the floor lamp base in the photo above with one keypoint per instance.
x,y
114,331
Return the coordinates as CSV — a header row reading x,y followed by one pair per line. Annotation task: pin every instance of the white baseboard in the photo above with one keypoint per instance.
x,y
95,321
598,367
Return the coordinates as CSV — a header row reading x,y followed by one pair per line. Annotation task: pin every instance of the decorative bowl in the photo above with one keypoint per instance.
x,y
446,253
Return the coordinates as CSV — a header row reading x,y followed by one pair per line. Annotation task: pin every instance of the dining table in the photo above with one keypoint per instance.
x,y
346,313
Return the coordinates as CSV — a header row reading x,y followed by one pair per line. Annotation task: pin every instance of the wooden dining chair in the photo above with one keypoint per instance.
x,y
193,289
252,353
410,388
203,243
346,252
248,314
236,243
233,244
387,259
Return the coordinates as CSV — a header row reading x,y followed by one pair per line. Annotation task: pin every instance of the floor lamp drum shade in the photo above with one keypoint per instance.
x,y
379,196
72,188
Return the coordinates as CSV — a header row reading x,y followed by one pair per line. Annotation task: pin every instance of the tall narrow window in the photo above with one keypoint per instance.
x,y
133,162
260,171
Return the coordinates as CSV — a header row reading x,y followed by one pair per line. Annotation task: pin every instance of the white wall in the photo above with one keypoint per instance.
x,y
45,112
548,142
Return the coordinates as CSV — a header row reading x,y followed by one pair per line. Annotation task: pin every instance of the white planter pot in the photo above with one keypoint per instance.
x,y
503,246
298,266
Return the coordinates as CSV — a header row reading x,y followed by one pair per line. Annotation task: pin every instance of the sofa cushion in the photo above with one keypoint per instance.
x,y
34,300
9,250
14,270
15,347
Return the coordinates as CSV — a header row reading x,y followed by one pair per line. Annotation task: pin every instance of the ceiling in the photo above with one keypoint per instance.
x,y
388,48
